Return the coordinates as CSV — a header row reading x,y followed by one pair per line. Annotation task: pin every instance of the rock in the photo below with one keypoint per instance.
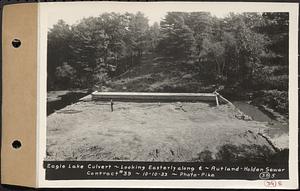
x,y
247,118
243,116
187,76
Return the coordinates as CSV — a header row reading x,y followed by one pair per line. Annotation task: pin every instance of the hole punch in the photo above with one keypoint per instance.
x,y
16,144
16,43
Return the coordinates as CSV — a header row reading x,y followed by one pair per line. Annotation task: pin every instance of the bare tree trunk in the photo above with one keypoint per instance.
x,y
131,59
218,67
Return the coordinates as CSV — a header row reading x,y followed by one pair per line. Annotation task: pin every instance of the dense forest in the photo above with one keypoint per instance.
x,y
243,53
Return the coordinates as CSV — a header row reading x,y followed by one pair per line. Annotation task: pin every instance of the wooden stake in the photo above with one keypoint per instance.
x,y
217,100
111,105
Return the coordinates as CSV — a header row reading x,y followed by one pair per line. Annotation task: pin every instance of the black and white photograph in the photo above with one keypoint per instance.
x,y
168,85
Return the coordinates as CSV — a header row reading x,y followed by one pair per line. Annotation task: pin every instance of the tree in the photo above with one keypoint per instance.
x,y
201,23
137,33
212,59
89,46
66,74
177,38
243,54
276,27
59,37
153,36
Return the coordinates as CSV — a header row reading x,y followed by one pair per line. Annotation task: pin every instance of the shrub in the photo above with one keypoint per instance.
x,y
274,99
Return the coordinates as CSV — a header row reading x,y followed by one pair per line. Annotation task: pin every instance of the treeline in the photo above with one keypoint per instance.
x,y
248,50
97,48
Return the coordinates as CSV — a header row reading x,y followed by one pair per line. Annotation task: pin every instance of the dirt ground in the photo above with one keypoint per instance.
x,y
155,132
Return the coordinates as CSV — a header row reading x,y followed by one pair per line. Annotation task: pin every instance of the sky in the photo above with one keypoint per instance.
x,y
155,12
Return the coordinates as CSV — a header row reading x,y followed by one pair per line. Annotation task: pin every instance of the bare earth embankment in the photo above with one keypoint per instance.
x,y
155,132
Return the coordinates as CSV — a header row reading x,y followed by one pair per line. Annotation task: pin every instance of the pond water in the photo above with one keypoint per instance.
x,y
276,128
57,100
252,111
